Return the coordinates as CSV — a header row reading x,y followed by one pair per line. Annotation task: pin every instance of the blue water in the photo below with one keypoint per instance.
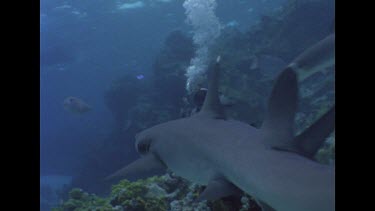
x,y
85,45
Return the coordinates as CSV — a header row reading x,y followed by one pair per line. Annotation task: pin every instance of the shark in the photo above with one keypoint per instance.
x,y
271,163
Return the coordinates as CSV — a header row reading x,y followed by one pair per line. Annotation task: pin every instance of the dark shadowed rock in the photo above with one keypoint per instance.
x,y
170,67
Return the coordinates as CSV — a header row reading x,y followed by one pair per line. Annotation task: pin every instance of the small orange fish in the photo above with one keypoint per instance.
x,y
76,105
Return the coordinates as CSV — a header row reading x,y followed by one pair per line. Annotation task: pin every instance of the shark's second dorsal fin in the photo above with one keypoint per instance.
x,y
212,107
277,127
310,140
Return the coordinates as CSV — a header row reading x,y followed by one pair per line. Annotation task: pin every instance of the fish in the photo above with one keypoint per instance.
x,y
76,105
271,163
140,77
232,23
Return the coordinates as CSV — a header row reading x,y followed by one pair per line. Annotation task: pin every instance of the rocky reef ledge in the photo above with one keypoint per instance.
x,y
167,192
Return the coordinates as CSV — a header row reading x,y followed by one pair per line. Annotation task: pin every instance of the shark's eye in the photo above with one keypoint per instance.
x,y
143,147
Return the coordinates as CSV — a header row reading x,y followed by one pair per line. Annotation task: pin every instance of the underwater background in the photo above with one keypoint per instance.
x,y
128,61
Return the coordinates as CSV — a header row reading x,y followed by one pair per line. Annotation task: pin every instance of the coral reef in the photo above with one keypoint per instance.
x,y
326,154
139,195
80,200
162,193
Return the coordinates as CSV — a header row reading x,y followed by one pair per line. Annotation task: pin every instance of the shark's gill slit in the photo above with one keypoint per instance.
x,y
143,147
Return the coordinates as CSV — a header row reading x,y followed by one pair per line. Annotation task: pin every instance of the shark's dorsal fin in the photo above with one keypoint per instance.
x,y
218,188
212,107
310,140
277,127
144,167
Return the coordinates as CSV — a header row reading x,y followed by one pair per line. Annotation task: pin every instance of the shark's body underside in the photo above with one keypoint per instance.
x,y
271,164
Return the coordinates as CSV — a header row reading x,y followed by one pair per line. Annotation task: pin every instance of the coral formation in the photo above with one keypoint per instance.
x,y
80,200
162,193
327,153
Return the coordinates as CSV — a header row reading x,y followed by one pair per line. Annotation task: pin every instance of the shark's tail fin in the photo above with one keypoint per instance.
x,y
310,140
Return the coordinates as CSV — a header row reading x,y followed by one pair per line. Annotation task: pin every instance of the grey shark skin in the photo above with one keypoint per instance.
x,y
271,164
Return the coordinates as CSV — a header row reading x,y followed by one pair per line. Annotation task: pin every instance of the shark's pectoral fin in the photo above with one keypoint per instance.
x,y
278,125
310,140
217,189
144,167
